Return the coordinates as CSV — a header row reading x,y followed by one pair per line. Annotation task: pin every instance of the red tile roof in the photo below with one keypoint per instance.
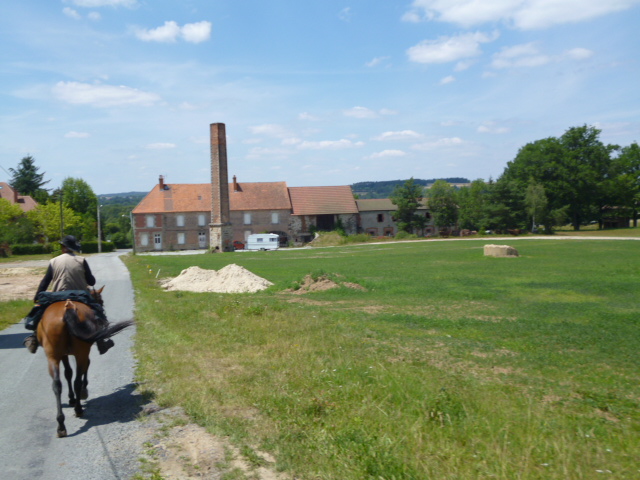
x,y
322,200
25,202
196,197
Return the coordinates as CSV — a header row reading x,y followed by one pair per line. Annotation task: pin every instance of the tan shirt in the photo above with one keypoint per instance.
x,y
68,273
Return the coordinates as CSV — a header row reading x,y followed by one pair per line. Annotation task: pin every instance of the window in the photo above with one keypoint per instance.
x,y
180,220
181,238
157,239
275,218
151,221
201,220
247,218
144,239
381,217
260,239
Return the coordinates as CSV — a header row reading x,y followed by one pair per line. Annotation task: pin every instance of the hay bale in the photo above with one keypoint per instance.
x,y
500,251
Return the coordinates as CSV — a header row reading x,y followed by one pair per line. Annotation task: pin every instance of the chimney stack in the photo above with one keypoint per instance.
x,y
161,182
221,234
235,184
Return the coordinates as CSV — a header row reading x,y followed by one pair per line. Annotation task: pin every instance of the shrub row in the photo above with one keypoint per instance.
x,y
39,248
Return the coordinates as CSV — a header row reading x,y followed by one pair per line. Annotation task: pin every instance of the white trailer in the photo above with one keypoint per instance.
x,y
263,241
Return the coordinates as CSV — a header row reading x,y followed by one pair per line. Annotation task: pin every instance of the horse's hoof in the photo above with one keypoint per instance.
x,y
62,433
72,402
84,395
79,413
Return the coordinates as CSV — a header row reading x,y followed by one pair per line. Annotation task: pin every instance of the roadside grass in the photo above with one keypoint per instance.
x,y
450,365
12,311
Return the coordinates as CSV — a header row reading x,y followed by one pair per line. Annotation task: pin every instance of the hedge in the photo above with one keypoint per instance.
x,y
31,249
92,247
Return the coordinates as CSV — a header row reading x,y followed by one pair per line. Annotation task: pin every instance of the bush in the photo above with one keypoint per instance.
x,y
92,247
402,235
31,249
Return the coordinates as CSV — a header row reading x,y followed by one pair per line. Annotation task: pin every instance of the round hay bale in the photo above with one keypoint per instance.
x,y
500,251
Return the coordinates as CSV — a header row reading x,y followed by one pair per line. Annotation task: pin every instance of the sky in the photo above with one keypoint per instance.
x,y
312,92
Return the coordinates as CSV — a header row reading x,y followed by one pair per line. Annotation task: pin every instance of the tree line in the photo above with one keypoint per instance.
x,y
71,209
573,179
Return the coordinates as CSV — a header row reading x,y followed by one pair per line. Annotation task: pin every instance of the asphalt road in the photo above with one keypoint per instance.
x,y
105,443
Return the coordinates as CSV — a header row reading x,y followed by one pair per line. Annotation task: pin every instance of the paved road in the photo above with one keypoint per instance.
x,y
103,445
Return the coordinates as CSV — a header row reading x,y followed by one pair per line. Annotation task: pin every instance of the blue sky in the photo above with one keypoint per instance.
x,y
313,92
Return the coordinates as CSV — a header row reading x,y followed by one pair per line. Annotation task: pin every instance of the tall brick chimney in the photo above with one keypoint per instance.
x,y
220,231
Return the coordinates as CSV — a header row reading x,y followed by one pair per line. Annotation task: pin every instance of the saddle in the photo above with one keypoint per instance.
x,y
44,299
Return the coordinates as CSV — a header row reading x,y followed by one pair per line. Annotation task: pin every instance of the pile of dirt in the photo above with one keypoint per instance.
x,y
19,283
321,283
230,279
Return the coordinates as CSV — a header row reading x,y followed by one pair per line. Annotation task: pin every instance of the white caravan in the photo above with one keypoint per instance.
x,y
263,241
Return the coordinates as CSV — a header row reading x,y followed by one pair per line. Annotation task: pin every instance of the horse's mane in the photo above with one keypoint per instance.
x,y
90,330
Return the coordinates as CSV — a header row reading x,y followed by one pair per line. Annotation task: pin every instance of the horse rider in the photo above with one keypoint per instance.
x,y
67,271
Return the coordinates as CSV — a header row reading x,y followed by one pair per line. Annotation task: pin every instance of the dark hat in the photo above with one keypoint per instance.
x,y
71,243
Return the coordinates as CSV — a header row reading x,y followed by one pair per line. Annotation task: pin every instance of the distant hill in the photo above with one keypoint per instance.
x,y
384,189
128,198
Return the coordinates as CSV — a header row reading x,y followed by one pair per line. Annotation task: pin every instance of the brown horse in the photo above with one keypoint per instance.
x,y
70,328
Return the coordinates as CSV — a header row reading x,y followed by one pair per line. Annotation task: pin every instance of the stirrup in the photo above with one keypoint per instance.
x,y
31,342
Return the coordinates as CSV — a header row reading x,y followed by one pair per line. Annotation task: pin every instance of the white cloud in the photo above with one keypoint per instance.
x,y
376,61
329,145
386,111
524,55
399,135
345,14
441,143
522,14
449,49
171,31
307,116
270,130
104,3
491,127
102,95
95,16
291,141
579,53
161,146
76,135
71,13
388,153
360,112
448,79
196,32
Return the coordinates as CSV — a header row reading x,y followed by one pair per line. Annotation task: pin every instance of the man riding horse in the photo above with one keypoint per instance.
x,y
70,275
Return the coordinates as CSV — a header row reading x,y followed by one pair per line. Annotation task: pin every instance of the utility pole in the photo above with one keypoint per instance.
x,y
99,231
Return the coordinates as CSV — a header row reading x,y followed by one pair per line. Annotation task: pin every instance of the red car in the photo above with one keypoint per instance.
x,y
237,245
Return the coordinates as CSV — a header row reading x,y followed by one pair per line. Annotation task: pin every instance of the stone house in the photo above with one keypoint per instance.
x,y
376,218
177,216
322,208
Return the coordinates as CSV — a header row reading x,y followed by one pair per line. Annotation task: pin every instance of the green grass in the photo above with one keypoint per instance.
x,y
451,365
13,311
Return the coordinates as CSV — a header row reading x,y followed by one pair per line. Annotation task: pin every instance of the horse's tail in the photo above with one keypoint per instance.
x,y
90,330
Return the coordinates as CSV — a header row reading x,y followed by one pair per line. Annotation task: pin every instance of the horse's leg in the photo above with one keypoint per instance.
x,y
85,381
68,374
82,366
54,371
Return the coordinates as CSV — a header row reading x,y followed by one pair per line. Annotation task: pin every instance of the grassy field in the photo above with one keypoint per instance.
x,y
450,365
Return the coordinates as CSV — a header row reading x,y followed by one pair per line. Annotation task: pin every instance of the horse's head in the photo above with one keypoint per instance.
x,y
97,295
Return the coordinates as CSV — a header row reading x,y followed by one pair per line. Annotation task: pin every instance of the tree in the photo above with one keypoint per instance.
x,y
472,205
572,169
626,181
47,220
15,227
442,203
79,196
407,198
27,181
536,202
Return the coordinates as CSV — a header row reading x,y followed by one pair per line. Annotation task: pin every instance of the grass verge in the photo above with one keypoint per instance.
x,y
449,365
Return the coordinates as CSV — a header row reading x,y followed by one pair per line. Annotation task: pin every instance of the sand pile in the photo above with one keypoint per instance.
x,y
230,279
